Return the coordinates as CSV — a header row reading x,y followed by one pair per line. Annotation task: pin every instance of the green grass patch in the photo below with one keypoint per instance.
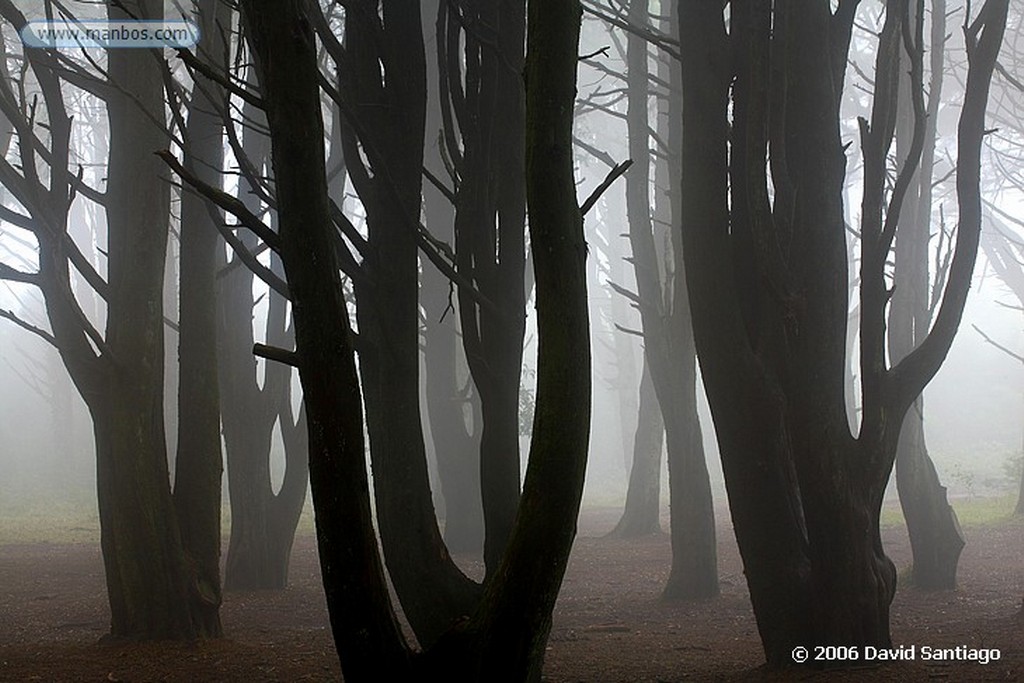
x,y
972,511
53,524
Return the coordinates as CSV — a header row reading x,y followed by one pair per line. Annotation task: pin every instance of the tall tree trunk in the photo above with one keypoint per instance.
x,y
199,464
387,308
148,583
368,638
490,247
935,536
668,348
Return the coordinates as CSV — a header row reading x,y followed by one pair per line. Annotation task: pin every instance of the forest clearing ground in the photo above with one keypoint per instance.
x,y
609,623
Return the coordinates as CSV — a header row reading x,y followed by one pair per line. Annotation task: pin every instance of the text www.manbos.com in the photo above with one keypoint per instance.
x,y
109,34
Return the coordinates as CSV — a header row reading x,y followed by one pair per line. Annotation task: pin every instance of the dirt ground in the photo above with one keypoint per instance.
x,y
609,623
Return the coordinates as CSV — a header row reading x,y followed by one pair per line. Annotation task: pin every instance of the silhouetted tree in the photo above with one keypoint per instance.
x,y
153,585
504,637
762,188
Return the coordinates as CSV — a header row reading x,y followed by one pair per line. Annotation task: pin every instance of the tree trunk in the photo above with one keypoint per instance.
x,y
262,523
770,326
148,583
668,347
490,245
935,536
199,464
456,447
387,310
507,637
643,496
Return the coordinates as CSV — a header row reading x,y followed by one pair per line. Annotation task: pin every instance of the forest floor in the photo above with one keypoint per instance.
x,y
609,624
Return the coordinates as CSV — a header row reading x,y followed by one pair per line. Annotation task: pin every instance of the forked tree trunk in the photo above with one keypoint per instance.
x,y
770,326
152,590
506,639
935,536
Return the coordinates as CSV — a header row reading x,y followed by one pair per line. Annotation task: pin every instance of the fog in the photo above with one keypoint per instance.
x,y
973,408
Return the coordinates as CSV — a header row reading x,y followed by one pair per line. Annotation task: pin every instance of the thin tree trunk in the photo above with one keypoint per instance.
x,y
643,496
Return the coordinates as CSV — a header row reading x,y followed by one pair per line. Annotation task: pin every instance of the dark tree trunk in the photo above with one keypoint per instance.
x,y
506,639
514,619
643,496
770,324
490,249
152,589
199,464
149,585
388,128
367,635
